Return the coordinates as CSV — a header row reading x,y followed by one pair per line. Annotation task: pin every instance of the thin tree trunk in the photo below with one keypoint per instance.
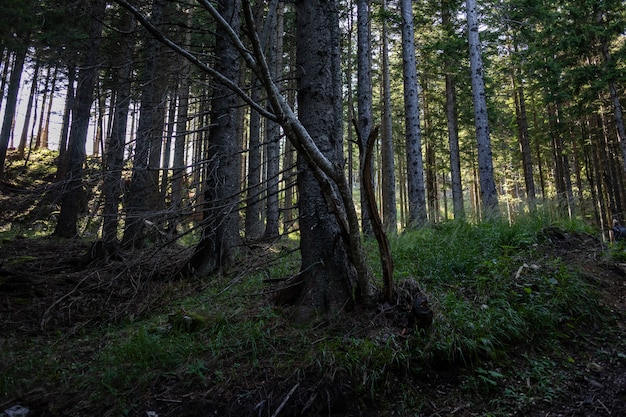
x,y
272,135
11,104
43,113
43,130
29,107
456,184
524,139
364,98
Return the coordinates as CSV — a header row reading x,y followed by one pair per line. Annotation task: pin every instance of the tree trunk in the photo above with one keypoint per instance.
x,y
73,187
144,180
488,193
327,275
114,152
216,250
456,184
415,165
178,165
70,99
272,135
29,108
524,139
11,103
364,99
253,225
45,128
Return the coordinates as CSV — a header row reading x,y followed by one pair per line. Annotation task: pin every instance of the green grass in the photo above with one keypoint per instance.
x,y
490,289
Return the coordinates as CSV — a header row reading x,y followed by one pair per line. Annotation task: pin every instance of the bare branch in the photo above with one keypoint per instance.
x,y
194,59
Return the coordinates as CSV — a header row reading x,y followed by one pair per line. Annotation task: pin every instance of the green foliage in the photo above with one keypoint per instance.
x,y
491,287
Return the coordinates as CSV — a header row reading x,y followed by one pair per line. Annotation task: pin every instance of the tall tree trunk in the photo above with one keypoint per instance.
x,y
415,164
253,225
70,99
524,138
364,98
430,167
327,275
272,135
144,181
488,193
456,184
114,153
73,190
29,108
45,128
42,115
11,103
216,250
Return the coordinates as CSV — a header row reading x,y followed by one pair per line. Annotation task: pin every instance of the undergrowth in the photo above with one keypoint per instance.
x,y
490,286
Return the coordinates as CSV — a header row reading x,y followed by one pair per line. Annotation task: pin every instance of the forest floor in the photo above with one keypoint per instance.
x,y
51,292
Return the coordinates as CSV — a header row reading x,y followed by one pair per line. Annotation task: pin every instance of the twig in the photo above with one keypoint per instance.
x,y
167,400
42,324
289,394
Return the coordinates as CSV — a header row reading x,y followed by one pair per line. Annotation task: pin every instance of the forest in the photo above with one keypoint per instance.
x,y
312,207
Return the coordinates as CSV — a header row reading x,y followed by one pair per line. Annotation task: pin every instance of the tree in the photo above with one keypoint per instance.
x,y
143,189
365,119
114,151
415,164
217,248
390,221
73,187
488,193
451,112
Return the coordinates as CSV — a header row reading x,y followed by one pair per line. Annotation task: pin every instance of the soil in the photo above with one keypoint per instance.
x,y
56,288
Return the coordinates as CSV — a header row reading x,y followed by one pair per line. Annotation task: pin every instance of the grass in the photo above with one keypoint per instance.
x,y
490,288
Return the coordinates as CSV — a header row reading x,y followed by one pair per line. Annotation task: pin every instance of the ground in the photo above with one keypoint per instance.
x,y
51,289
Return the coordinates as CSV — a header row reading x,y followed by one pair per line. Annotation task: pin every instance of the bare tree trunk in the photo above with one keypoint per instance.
x,y
29,108
73,188
217,248
415,165
70,99
114,152
327,276
144,181
275,63
11,103
45,128
488,192
42,115
524,139
364,98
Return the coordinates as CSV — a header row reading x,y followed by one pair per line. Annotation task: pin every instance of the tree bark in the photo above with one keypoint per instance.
x,y
217,248
488,192
327,275
11,103
364,99
143,187
29,108
87,75
114,152
415,164
272,135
